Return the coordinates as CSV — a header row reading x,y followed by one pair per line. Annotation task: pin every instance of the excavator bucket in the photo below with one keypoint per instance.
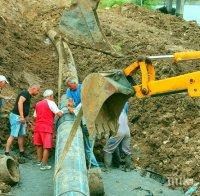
x,y
81,26
103,97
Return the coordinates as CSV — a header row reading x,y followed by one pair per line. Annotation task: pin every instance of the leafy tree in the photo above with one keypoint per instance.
x,y
110,3
146,3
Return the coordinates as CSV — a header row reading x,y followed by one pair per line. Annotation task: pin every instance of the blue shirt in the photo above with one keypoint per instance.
x,y
1,103
125,109
74,94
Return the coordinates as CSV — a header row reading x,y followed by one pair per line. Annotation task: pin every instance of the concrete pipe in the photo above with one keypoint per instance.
x,y
9,170
72,179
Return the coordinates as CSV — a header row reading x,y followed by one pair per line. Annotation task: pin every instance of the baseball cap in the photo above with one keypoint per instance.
x,y
71,80
47,93
3,78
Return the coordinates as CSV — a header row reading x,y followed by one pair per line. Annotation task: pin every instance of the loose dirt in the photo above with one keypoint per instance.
x,y
165,130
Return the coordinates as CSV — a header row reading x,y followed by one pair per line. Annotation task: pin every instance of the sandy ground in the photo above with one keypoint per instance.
x,y
39,183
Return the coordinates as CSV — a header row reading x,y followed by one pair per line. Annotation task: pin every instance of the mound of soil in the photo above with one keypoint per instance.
x,y
164,129
4,188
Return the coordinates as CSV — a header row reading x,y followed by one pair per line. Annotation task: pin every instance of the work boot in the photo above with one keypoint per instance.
x,y
23,155
107,160
7,153
116,160
128,163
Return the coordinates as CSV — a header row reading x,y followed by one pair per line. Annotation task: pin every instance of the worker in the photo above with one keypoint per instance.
x,y
18,116
3,82
122,138
44,113
73,94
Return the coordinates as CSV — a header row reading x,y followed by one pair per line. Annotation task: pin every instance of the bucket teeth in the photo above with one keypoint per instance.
x,y
103,97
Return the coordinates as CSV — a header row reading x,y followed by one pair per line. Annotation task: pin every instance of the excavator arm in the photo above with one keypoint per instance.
x,y
104,94
151,87
187,82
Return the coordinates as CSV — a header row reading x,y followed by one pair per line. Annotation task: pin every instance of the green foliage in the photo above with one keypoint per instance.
x,y
110,3
145,3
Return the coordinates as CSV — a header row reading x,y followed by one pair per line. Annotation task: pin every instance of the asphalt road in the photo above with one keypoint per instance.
x,y
40,183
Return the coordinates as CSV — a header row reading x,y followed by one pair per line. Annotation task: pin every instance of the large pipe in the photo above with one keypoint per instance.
x,y
9,170
72,179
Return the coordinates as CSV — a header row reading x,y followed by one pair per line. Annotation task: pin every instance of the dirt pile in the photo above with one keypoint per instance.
x,y
4,188
165,134
26,56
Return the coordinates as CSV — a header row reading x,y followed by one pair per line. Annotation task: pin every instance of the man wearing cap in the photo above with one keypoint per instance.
x,y
18,118
3,82
45,110
73,94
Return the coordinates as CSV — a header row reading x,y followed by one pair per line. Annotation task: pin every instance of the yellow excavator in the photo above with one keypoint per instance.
x,y
104,94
